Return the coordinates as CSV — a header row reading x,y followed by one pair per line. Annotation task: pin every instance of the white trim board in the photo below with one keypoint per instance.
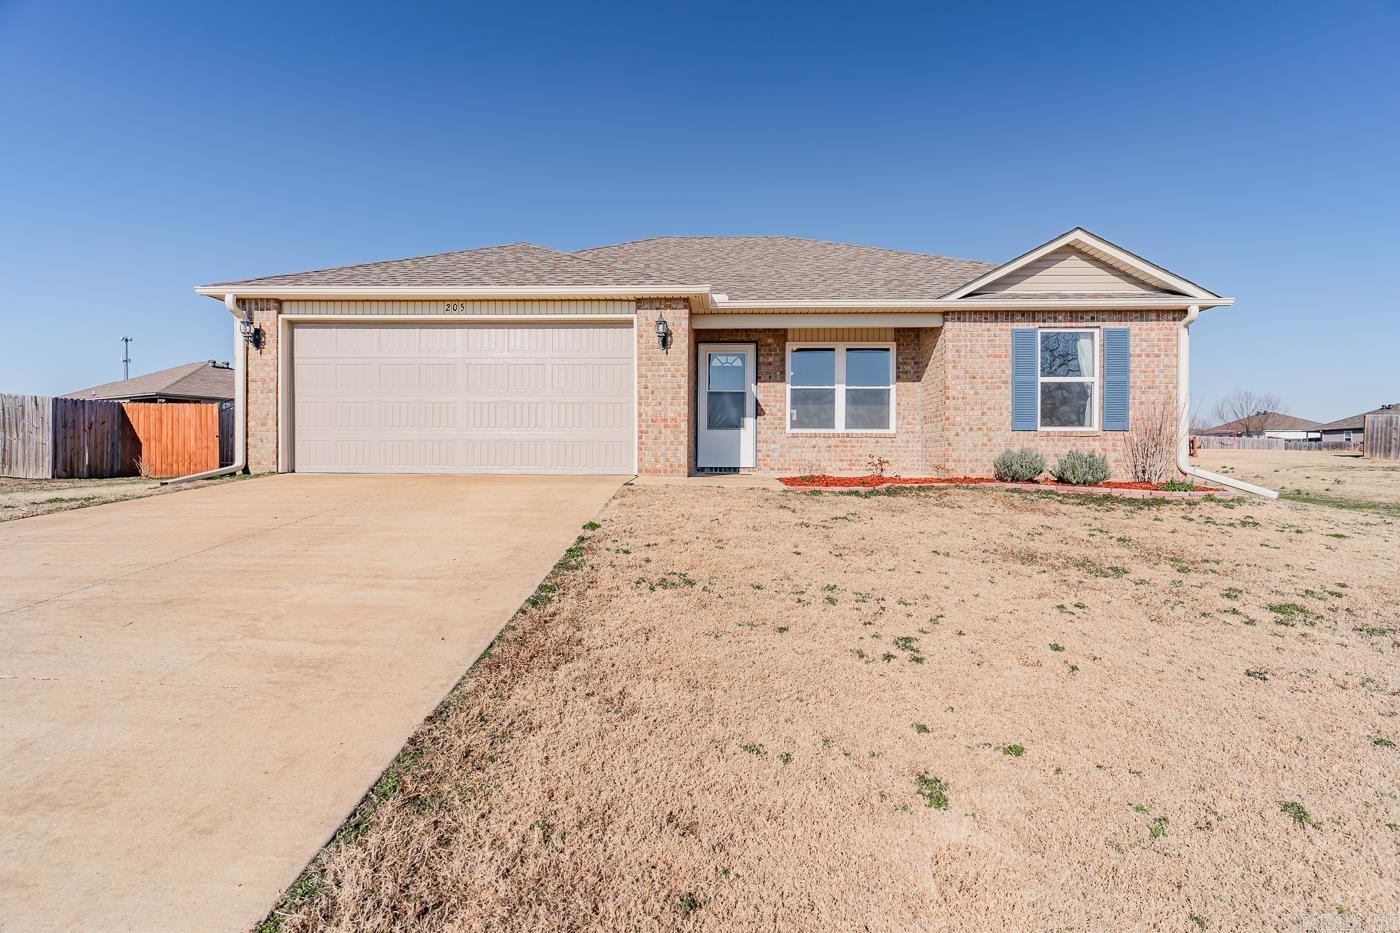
x,y
370,293
717,321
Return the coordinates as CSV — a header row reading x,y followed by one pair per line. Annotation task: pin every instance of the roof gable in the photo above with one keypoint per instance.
x,y
1077,264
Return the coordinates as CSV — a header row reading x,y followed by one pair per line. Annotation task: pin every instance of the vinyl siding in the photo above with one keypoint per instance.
x,y
842,334
504,308
1069,270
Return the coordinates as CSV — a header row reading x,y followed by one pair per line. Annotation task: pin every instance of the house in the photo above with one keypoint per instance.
x,y
1352,431
1268,424
678,355
204,381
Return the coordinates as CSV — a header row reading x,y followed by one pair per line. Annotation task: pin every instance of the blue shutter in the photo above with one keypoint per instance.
x,y
1024,370
1115,379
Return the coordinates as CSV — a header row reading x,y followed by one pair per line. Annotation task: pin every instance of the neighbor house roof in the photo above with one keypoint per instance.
x,y
1358,422
202,380
1276,421
784,268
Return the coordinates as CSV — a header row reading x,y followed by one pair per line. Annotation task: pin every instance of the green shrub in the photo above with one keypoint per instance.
x,y
1081,469
1018,466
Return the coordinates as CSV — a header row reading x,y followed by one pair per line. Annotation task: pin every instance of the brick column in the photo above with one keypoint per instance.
x,y
665,390
262,387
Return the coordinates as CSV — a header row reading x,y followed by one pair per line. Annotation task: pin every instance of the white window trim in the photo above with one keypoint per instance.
x,y
1096,380
840,346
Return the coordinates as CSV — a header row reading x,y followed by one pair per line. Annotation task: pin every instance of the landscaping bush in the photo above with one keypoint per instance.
x,y
1018,466
1081,469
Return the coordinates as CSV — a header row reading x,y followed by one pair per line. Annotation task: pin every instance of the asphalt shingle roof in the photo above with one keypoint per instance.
x,y
1276,421
782,268
743,267
515,264
1358,422
192,380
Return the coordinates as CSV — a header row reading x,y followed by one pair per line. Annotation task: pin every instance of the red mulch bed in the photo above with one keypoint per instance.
x,y
870,480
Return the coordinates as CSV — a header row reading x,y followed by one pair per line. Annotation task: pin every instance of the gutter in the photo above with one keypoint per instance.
x,y
1183,447
463,292
240,403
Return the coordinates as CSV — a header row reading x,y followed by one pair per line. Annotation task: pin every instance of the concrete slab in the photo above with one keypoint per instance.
x,y
722,480
195,689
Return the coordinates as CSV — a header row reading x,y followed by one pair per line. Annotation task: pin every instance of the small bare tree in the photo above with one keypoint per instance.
x,y
1149,449
1251,409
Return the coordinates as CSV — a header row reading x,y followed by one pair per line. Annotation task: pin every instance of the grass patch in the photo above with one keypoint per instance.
x,y
1296,812
933,790
1337,502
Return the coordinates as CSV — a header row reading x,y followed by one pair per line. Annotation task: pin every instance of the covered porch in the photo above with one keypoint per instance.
x,y
803,393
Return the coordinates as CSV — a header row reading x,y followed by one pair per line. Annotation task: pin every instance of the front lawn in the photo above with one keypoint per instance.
x,y
937,708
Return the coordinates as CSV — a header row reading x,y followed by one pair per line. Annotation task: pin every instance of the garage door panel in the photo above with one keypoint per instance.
x,y
488,398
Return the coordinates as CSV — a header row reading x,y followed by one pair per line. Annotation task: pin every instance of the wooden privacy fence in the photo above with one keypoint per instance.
x,y
1383,437
174,438
63,438
1212,442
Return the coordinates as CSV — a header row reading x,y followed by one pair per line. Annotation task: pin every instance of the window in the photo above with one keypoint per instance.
x,y
842,387
1068,380
726,392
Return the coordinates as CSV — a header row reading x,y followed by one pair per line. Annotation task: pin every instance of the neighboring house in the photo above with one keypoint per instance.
x,y
206,381
1271,424
1353,430
678,355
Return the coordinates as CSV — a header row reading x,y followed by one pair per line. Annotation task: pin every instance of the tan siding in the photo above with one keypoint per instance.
x,y
504,308
1069,270
852,334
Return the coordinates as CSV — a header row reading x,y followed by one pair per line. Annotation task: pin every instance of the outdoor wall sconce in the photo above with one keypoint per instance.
x,y
251,333
663,331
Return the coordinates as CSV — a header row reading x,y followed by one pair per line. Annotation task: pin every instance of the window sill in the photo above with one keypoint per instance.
x,y
832,432
1070,432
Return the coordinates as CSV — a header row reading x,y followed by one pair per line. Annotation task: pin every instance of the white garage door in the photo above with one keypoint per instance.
x,y
463,398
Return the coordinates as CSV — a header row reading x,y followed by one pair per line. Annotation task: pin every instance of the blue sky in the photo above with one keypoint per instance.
x,y
146,148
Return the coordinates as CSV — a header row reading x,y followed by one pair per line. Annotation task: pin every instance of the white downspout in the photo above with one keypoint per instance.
x,y
240,403
1183,447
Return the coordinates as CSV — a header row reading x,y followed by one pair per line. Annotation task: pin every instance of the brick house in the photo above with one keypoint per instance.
x,y
678,355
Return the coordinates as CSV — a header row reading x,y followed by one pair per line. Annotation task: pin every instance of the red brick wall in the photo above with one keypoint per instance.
x,y
952,408
781,452
665,390
262,386
977,408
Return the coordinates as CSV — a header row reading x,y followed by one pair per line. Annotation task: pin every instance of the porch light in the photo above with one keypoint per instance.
x,y
663,331
251,333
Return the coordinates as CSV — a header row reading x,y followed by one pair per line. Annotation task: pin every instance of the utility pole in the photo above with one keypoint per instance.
x,y
126,357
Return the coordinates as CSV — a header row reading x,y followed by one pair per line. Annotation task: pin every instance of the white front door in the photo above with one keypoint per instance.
x,y
726,423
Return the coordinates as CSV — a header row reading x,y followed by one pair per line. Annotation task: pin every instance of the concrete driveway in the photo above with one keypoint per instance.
x,y
195,689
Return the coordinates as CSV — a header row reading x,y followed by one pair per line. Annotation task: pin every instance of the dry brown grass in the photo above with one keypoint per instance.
x,y
720,720
25,498
1334,474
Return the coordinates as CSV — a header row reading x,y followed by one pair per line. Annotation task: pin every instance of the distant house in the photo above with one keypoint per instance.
x,y
205,381
1352,430
1268,424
